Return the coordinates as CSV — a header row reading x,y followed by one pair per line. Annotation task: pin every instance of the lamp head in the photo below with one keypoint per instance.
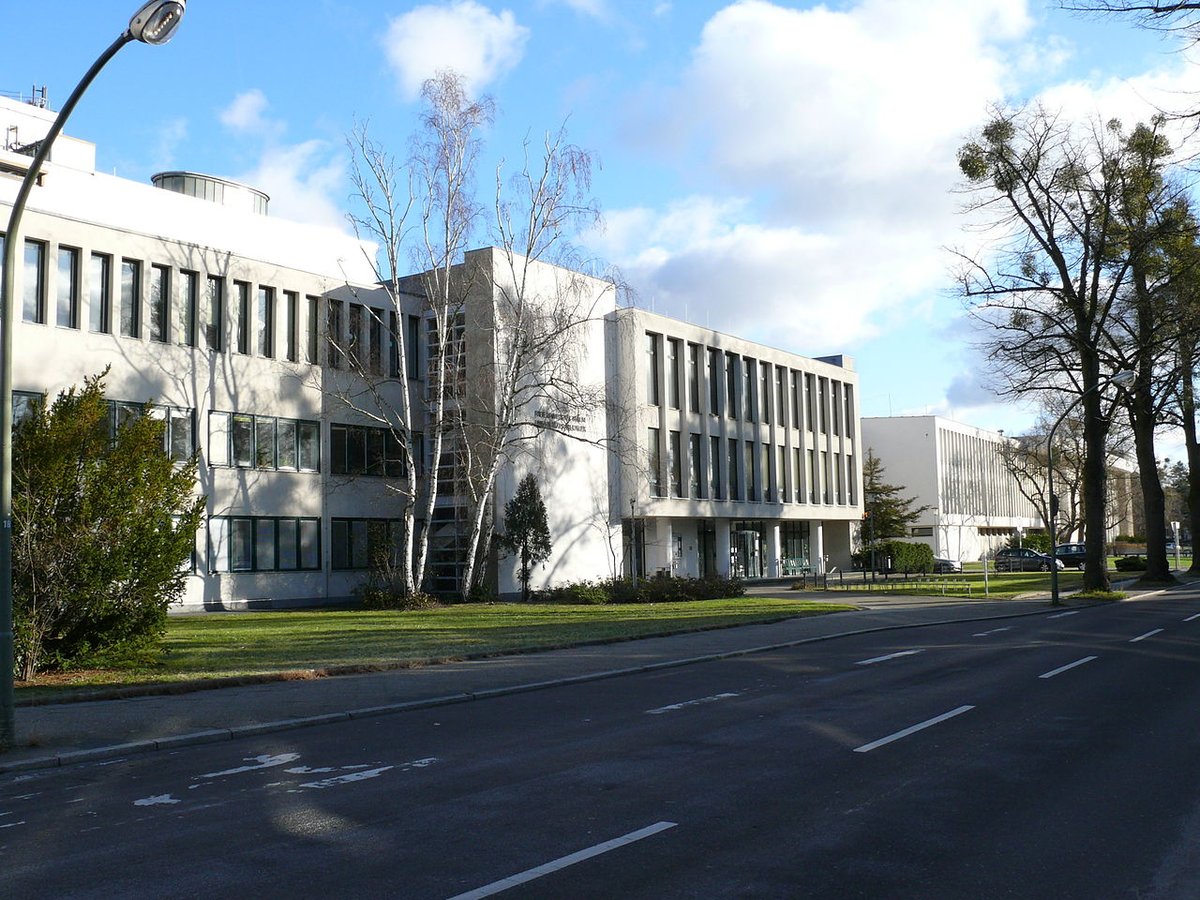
x,y
1123,379
156,21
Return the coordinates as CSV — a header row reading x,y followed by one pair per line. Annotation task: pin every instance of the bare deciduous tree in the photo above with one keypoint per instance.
x,y
1046,286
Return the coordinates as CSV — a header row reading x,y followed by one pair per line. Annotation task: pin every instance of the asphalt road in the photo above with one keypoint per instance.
x,y
1047,756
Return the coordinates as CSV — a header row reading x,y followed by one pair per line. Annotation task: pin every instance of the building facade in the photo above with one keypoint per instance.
x,y
271,352
975,504
734,458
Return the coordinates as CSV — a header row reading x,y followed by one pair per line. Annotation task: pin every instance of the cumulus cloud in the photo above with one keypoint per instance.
x,y
306,180
303,181
246,115
828,139
461,35
831,136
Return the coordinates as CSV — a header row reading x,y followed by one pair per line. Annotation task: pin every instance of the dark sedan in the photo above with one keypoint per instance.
x,y
1022,559
1071,555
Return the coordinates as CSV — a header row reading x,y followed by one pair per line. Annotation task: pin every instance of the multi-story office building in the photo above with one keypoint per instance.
x,y
734,457
271,352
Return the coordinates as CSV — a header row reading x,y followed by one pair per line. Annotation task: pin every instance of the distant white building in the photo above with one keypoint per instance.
x,y
975,504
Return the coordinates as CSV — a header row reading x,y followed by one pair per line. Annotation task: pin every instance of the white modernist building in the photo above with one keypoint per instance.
x,y
975,504
270,351
734,457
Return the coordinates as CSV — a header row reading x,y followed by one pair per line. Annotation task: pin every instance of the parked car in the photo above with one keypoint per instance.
x,y
1071,555
1022,559
944,566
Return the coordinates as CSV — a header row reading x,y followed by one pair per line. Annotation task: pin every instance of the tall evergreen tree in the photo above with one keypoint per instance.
x,y
525,530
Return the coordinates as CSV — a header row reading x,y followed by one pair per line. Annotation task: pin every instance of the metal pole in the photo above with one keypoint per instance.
x,y
633,541
1052,525
12,240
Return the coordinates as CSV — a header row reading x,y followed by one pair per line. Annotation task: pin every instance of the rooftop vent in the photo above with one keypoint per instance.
x,y
216,190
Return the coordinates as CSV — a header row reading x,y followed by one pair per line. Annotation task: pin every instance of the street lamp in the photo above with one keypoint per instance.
x,y
154,23
633,560
1120,379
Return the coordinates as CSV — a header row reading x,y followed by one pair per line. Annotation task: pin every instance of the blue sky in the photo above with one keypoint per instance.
x,y
779,170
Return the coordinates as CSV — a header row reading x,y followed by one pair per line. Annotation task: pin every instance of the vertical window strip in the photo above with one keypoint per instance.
x,y
68,287
34,305
100,294
214,329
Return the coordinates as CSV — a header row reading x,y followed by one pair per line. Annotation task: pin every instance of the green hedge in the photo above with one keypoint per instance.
x,y
1130,564
660,589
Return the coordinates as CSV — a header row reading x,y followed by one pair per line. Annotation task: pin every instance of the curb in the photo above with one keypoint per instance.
x,y
216,735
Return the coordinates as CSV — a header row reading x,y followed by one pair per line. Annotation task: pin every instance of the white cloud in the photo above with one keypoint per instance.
x,y
831,108
303,181
833,134
246,115
306,181
461,35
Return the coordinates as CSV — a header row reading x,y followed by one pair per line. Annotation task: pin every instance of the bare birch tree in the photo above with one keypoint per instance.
x,y
531,319
434,187
540,310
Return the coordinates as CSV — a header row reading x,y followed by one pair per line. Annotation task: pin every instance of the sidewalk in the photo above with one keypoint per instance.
x,y
65,733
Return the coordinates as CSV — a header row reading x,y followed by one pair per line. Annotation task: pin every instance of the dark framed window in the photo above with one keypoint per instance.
x,y
365,450
100,294
160,293
242,291
693,377
266,322
214,328
654,462
264,543
355,543
131,298
333,334
243,440
313,344
291,325
189,307
674,362
68,287
33,309
653,395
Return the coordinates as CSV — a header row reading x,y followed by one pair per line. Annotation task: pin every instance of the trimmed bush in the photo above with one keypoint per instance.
x,y
584,593
905,556
1130,564
660,589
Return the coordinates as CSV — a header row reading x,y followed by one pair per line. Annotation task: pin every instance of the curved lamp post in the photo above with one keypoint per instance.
x,y
1120,379
154,23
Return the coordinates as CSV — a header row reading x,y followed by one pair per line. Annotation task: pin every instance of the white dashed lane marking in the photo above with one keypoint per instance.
x,y
1067,667
913,729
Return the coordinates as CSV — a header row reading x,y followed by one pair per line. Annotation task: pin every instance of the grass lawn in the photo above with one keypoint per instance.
x,y
226,645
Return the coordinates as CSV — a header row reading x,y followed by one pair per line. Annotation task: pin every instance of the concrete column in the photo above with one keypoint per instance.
x,y
722,534
775,559
818,540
